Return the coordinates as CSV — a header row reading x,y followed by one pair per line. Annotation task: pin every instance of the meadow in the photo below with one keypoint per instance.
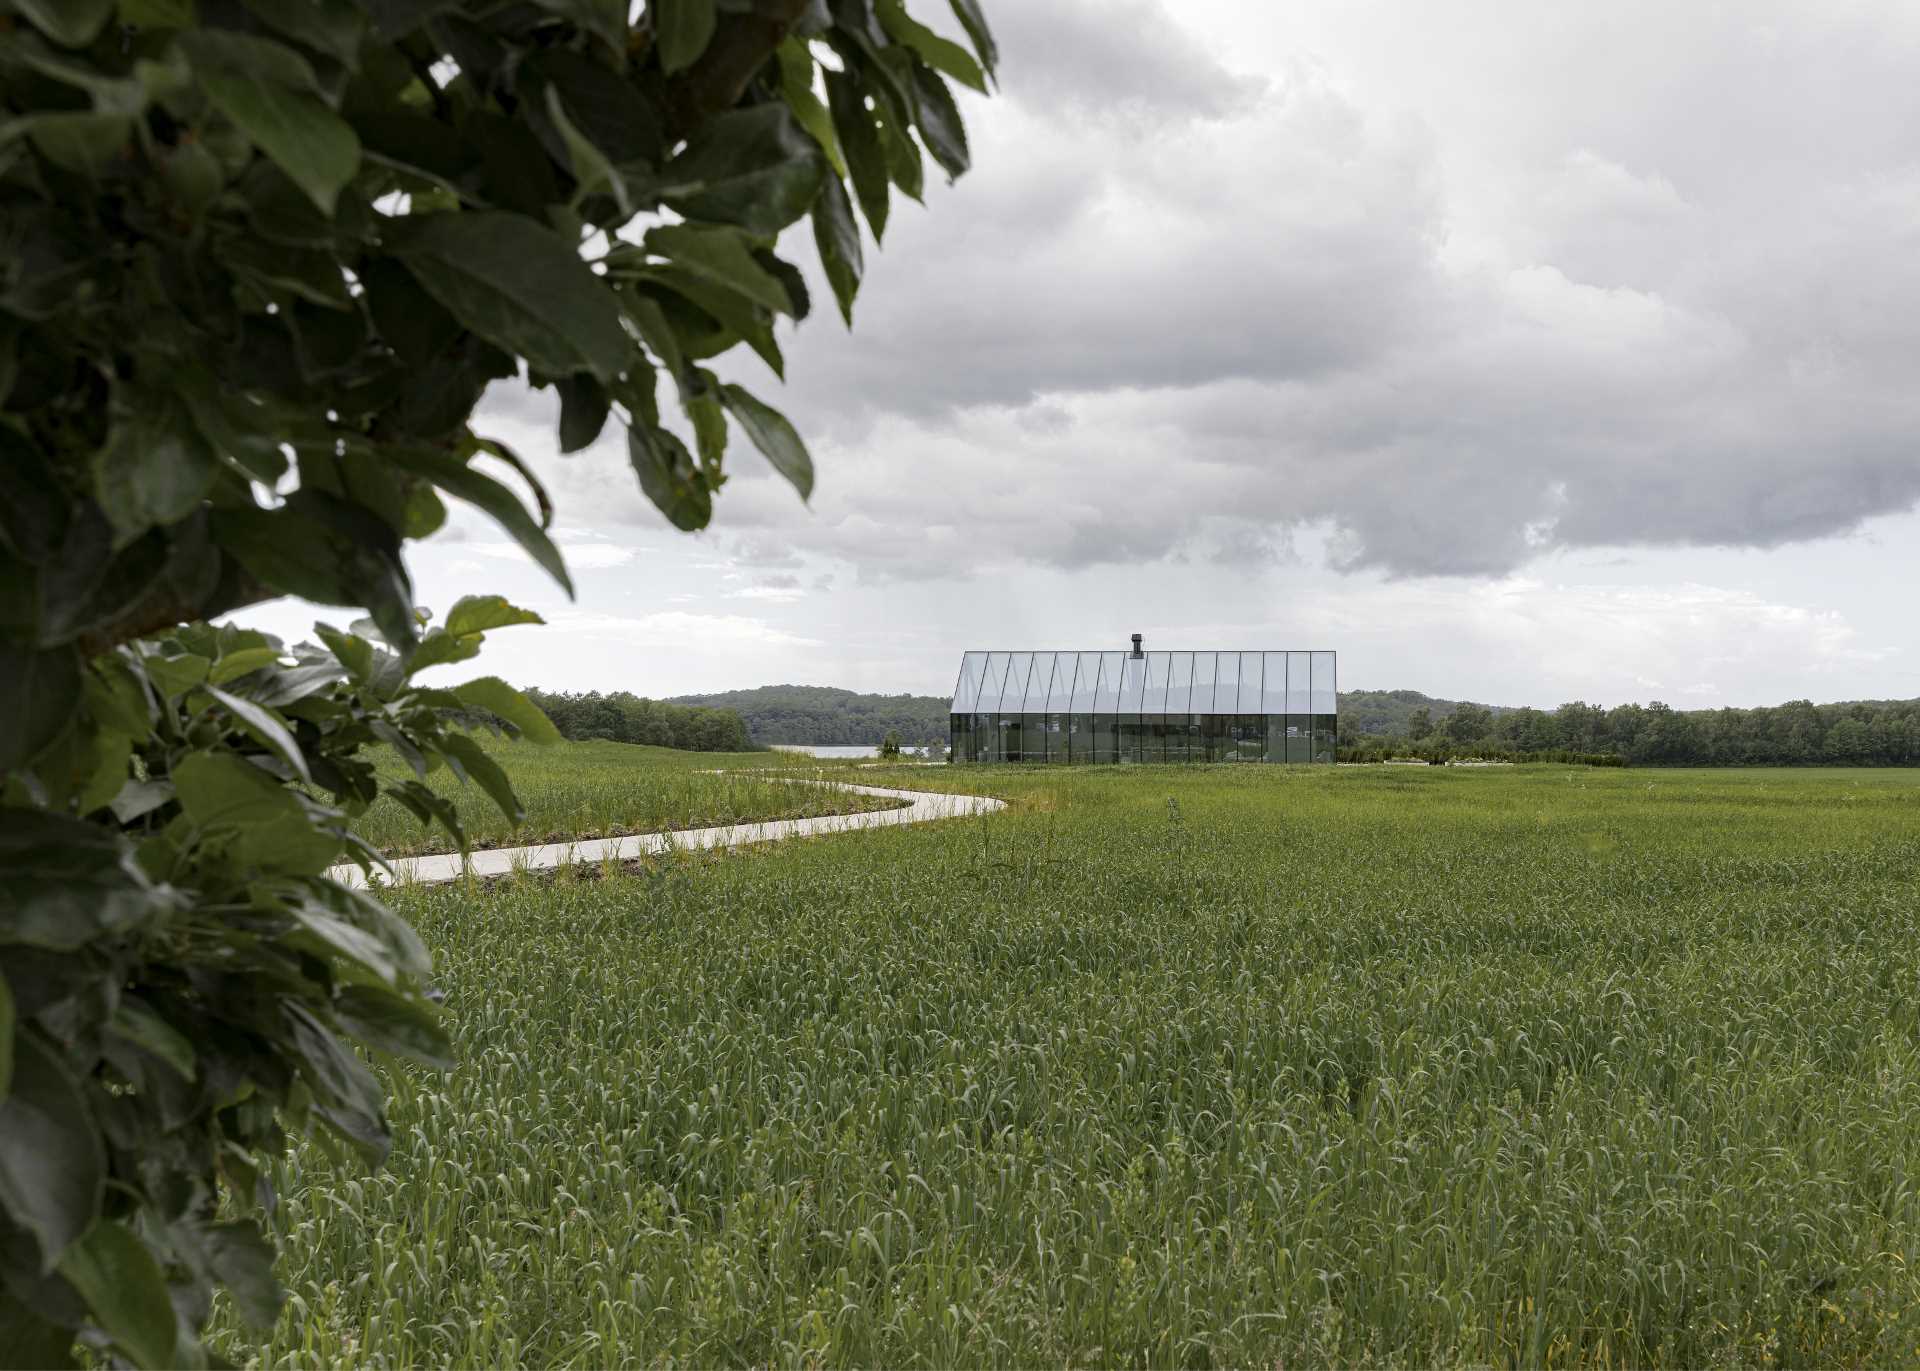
x,y
607,790
1197,1066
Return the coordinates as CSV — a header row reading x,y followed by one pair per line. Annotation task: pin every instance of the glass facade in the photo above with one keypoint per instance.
x,y
1145,707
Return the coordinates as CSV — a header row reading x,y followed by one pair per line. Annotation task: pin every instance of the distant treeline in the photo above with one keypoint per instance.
x,y
822,714
1800,733
620,717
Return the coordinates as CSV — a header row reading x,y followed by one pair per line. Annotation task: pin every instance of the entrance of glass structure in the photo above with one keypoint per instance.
x,y
1138,706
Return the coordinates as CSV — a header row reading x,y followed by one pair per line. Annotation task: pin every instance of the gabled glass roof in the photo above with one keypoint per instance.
x,y
1265,682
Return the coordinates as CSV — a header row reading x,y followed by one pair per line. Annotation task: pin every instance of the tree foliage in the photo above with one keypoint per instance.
x,y
622,717
258,262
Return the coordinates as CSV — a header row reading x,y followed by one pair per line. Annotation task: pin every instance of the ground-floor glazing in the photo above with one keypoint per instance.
x,y
997,737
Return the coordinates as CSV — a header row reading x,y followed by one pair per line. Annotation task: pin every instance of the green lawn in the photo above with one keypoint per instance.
x,y
604,790
1200,1066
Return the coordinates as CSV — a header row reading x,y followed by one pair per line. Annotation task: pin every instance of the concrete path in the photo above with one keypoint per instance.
x,y
501,861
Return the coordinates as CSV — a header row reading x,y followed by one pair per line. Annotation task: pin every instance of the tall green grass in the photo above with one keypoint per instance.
x,y
1195,1067
604,790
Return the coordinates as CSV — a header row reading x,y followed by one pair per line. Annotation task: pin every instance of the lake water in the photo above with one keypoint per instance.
x,y
838,749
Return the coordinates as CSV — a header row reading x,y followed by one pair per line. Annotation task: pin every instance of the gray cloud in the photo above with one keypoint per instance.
x,y
1453,303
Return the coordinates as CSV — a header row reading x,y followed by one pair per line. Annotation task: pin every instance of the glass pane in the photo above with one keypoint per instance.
x,y
1105,730
1013,695
1324,698
1226,684
1106,694
1133,682
1299,692
1057,731
1325,737
1203,665
967,689
1273,687
991,683
1038,683
1079,738
1153,699
1299,733
1276,737
1250,673
1179,682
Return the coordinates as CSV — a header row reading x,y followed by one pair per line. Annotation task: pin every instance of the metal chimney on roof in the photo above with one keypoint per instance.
x,y
1136,646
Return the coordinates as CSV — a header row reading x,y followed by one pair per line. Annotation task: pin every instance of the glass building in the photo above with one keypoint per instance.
x,y
1144,707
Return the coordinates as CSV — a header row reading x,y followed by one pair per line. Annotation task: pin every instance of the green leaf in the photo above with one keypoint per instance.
x,y
266,729
107,772
751,323
755,167
485,773
38,694
29,1341
115,699
123,1287
478,613
233,665
6,1038
477,488
326,935
351,650
796,88
607,18
334,27
974,20
903,158
837,239
593,170
440,647
942,54
70,23
496,696
243,1260
84,143
327,550
773,435
724,256
221,794
270,94
155,468
668,475
519,286
939,122
52,1166
173,677
860,141
405,1027
709,422
681,31
135,1020
350,1094
650,320
583,411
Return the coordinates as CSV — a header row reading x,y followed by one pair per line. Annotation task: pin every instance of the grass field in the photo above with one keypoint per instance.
x,y
1189,1067
604,790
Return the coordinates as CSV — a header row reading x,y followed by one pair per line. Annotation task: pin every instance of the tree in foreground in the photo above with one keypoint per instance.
x,y
258,262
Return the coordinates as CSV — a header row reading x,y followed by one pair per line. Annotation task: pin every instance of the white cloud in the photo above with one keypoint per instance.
x,y
579,556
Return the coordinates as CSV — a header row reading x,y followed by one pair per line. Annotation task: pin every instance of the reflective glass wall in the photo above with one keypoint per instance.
x,y
1072,707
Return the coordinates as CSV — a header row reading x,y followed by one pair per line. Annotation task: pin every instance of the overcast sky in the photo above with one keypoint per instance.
x,y
1520,353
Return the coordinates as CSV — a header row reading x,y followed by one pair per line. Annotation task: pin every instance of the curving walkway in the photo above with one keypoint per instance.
x,y
921,807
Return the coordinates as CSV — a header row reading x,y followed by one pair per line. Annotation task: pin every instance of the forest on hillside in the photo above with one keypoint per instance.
x,y
1372,723
826,715
621,717
1798,733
